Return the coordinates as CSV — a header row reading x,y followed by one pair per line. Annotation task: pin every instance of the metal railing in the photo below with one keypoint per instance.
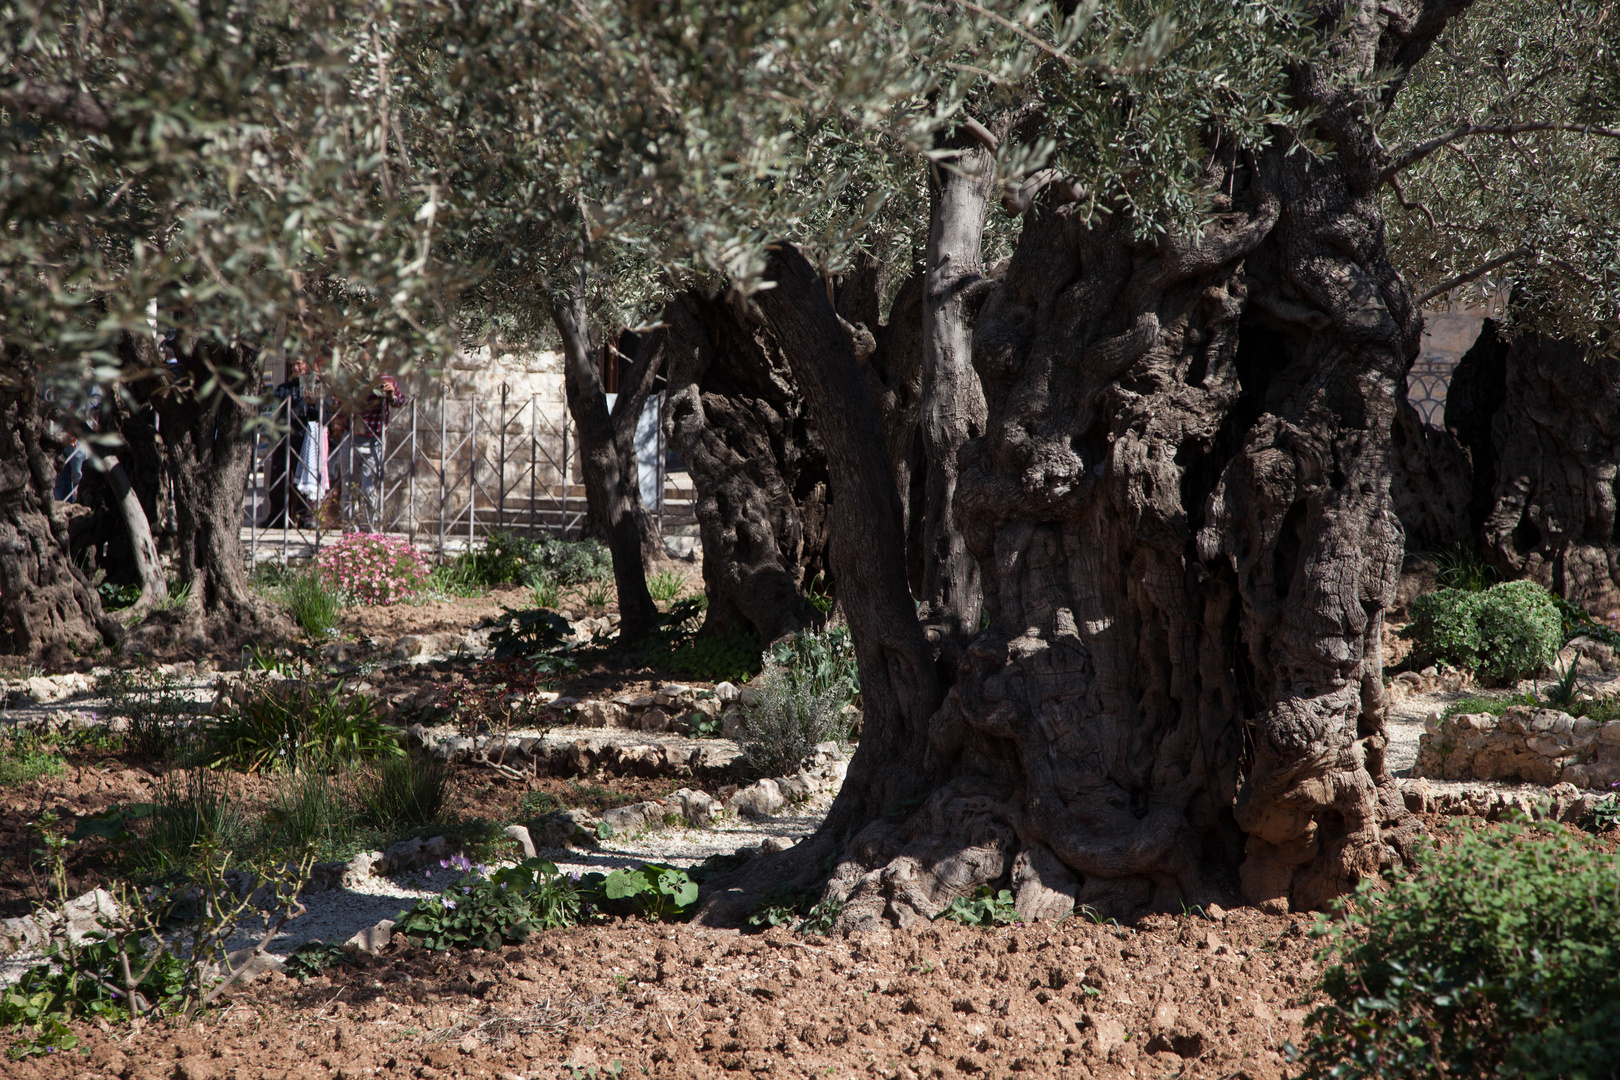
x,y
1426,386
442,473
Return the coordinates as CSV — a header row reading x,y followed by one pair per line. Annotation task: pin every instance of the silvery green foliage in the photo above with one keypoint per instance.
x,y
1544,197
787,718
236,164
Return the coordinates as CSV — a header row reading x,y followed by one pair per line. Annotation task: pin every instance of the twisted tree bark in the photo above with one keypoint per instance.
x,y
47,608
208,451
1541,420
736,416
1181,511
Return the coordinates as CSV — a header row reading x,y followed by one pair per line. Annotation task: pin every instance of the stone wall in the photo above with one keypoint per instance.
x,y
1538,746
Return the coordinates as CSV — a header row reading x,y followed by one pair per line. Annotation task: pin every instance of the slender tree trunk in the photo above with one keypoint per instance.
x,y
143,548
607,490
635,388
890,774
208,453
953,408
48,608
735,414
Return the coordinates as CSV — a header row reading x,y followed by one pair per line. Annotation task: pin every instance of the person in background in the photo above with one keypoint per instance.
x,y
366,448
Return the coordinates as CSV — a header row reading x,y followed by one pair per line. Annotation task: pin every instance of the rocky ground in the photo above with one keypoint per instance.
x,y
1201,994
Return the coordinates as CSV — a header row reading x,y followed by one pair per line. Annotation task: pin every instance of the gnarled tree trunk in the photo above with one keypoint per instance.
x,y
1541,418
1181,512
208,453
736,415
48,609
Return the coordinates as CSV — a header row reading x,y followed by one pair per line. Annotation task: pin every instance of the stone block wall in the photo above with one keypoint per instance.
x,y
1538,746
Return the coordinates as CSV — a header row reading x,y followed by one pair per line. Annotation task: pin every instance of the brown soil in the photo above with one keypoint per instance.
x,y
1178,996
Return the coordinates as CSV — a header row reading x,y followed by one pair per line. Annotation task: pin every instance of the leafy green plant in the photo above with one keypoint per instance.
x,y
666,585
509,558
1561,692
1508,631
536,634
820,660
546,592
783,905
1521,627
659,893
116,597
293,724
486,911
598,594
1605,813
313,957
25,756
313,605
1498,956
405,789
983,908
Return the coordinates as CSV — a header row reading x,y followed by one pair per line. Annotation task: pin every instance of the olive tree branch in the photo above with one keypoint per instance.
x,y
1424,149
1477,272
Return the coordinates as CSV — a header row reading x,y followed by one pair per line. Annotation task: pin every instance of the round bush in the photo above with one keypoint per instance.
x,y
1445,625
1520,629
371,568
1508,631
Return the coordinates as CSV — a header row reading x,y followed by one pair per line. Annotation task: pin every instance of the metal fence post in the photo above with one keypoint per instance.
x,y
411,511
472,470
443,436
534,464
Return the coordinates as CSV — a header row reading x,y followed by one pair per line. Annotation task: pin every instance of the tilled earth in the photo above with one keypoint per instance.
x,y
1173,996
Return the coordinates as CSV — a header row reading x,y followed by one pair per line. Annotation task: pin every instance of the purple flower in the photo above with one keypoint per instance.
x,y
451,904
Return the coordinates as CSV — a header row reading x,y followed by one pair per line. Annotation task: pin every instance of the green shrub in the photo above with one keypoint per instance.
x,y
1521,628
314,606
1509,631
508,558
1445,626
292,725
786,719
1498,956
406,789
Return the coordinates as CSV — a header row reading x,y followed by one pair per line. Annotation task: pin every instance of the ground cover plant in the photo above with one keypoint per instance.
x,y
801,697
1498,955
27,755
